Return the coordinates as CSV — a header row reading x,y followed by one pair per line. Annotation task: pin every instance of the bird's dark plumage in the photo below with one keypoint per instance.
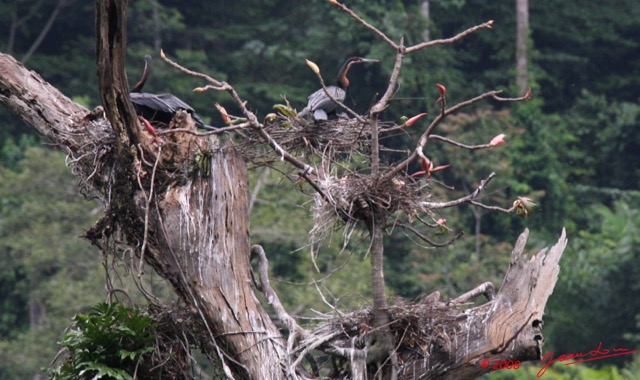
x,y
160,107
320,105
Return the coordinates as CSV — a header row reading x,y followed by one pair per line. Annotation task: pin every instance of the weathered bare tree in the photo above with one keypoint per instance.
x,y
179,201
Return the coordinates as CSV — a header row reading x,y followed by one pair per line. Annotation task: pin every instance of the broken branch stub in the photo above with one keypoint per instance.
x,y
440,340
506,328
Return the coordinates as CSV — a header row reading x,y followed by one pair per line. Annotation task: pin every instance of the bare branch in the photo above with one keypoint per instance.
x,y
426,238
446,112
427,133
284,155
272,296
220,85
45,29
460,145
380,106
383,103
364,23
526,96
494,208
459,201
18,22
486,25
295,331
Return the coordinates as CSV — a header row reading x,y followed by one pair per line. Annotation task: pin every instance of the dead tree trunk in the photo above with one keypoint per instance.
x,y
197,234
192,231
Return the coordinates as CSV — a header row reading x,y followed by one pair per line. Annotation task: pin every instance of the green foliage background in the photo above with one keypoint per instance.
x,y
574,148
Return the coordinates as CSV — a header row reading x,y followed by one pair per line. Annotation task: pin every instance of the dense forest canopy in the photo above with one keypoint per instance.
x,y
573,148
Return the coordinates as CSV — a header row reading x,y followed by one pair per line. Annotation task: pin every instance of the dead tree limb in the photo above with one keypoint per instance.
x,y
440,340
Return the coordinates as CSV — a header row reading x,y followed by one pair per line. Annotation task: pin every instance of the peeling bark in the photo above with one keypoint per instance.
x,y
202,241
199,238
506,328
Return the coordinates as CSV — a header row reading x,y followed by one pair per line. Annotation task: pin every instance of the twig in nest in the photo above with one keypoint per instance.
x,y
148,197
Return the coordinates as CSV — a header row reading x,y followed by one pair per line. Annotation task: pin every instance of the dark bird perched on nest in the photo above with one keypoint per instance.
x,y
320,105
160,107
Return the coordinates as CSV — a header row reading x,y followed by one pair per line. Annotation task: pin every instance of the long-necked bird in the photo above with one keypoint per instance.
x,y
320,105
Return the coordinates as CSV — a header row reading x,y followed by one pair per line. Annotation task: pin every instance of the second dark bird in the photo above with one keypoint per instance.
x,y
320,105
160,107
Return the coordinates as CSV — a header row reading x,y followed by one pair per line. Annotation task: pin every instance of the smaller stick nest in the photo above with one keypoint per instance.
x,y
356,197
350,199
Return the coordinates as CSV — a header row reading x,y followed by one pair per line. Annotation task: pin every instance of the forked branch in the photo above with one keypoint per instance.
x,y
424,138
272,297
252,120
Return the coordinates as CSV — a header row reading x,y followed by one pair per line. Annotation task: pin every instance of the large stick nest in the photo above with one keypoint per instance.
x,y
419,331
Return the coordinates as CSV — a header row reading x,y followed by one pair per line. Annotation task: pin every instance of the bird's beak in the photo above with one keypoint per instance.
x,y
366,60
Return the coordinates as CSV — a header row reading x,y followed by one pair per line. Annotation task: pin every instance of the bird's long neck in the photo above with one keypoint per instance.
x,y
343,81
145,74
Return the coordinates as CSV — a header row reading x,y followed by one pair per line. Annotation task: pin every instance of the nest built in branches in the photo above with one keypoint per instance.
x,y
326,139
355,197
170,157
419,332
342,144
89,160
